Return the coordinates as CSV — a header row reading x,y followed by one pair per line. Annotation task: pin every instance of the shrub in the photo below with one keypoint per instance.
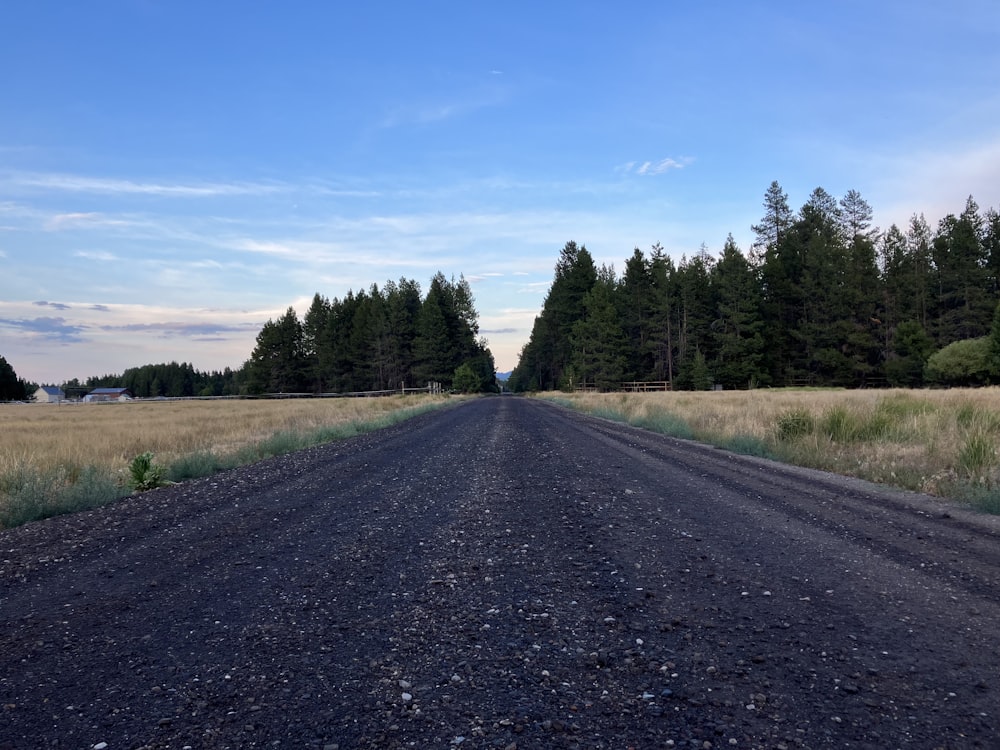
x,y
144,474
465,380
794,423
965,362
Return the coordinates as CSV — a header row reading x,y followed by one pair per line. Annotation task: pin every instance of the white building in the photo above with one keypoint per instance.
x,y
49,394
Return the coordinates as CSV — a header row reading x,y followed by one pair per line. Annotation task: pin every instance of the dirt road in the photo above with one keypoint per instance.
x,y
504,574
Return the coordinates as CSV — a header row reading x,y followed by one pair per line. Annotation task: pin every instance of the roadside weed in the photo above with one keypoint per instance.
x,y
144,474
977,455
794,424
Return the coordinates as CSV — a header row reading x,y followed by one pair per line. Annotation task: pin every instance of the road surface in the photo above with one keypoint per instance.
x,y
504,574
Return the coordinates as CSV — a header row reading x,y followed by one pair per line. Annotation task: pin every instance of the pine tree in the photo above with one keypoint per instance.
x,y
776,221
864,330
991,248
598,342
807,312
402,308
635,296
737,329
335,355
963,305
695,310
11,387
663,279
911,347
313,325
433,349
276,364
548,353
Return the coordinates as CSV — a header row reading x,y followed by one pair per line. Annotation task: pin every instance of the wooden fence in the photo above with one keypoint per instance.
x,y
645,387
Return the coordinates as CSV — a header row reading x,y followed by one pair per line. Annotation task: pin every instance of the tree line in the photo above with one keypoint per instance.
x,y
821,298
374,340
379,339
172,380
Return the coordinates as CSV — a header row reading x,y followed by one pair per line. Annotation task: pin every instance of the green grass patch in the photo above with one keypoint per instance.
x,y
29,495
977,454
794,424
665,423
747,445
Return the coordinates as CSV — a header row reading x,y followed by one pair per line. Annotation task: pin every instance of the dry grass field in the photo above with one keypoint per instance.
x,y
57,458
942,442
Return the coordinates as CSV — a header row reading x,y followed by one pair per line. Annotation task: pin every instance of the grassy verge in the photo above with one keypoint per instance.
x,y
943,443
62,459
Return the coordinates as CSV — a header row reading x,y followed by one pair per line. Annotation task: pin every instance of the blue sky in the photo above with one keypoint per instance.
x,y
173,174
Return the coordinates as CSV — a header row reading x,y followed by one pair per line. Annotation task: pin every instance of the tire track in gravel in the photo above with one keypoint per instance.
x,y
505,574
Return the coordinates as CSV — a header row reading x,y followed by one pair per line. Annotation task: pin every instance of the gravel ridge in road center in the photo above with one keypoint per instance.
x,y
504,574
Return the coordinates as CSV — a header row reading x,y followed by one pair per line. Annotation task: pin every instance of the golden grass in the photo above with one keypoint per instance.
x,y
933,441
109,436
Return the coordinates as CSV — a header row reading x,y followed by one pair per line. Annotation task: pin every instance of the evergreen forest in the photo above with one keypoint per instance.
x,y
375,340
822,298
380,339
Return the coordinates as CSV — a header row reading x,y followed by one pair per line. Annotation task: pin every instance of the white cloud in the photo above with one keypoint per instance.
x,y
96,255
659,167
103,185
77,220
650,168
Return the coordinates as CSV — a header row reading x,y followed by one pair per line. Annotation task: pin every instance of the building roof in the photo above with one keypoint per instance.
x,y
109,391
52,390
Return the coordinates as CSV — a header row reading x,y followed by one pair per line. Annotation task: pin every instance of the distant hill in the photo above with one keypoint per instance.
x,y
504,375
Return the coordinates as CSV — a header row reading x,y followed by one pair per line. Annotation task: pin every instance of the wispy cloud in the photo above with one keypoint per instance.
x,y
79,220
100,255
105,185
426,113
52,330
484,276
53,305
648,168
169,329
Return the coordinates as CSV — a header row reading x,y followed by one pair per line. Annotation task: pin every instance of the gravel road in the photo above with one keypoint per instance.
x,y
504,574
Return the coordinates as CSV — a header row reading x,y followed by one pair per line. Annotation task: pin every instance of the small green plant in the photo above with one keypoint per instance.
x,y
144,474
840,425
877,427
966,415
977,454
794,424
